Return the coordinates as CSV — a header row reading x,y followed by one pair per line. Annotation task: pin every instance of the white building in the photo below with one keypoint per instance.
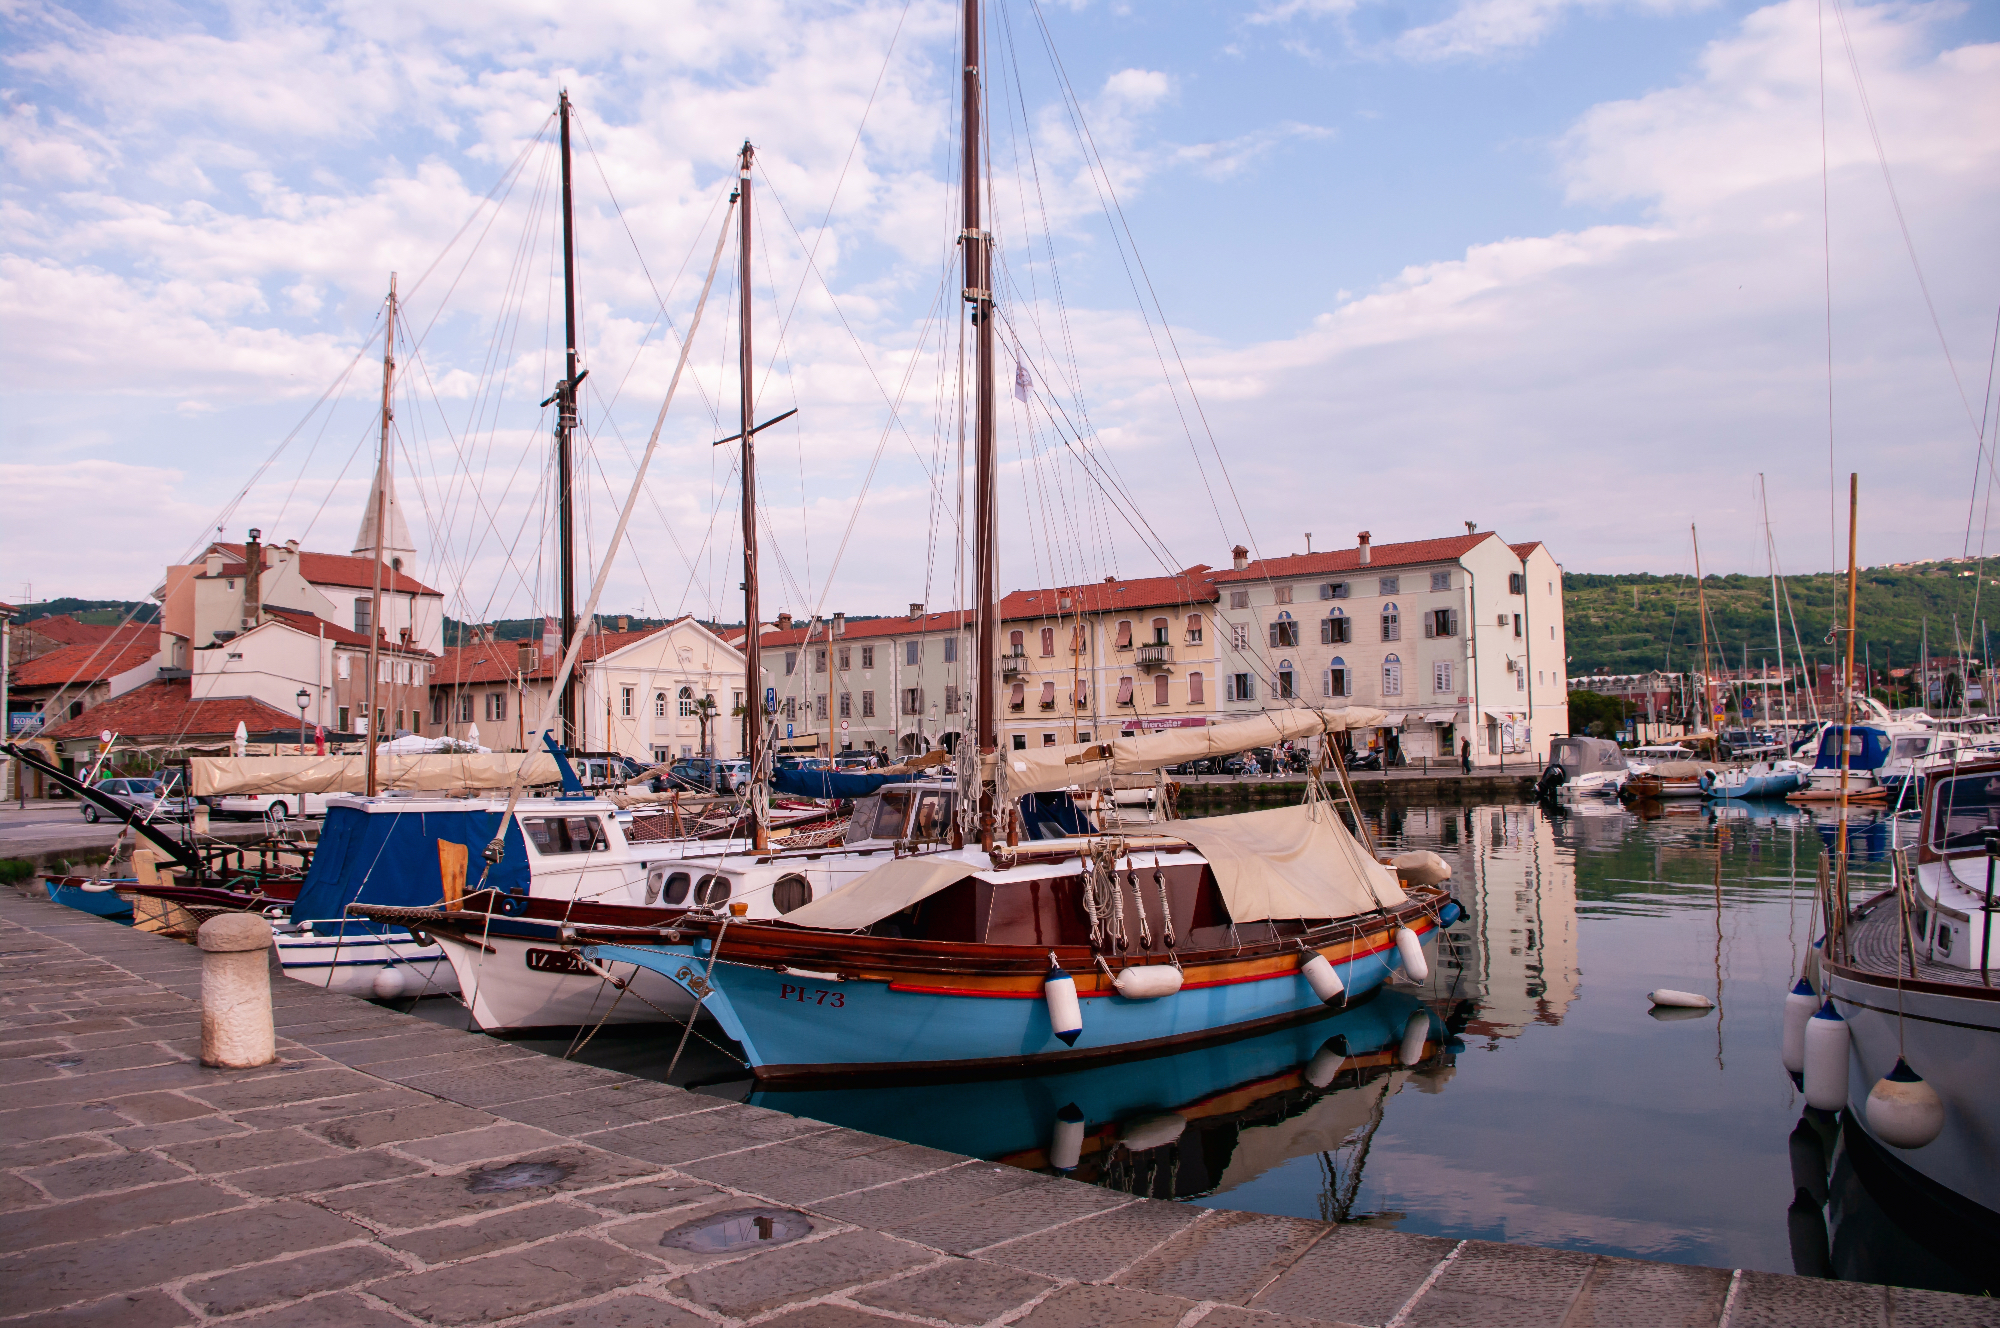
x,y
1459,639
901,684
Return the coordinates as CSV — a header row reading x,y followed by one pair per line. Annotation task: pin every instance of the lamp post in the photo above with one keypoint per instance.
x,y
305,700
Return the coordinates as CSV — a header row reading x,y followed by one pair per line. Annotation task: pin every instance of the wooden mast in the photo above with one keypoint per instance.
x,y
978,245
753,688
565,437
381,531
1701,605
1847,728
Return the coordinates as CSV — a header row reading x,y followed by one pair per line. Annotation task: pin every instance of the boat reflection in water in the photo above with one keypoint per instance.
x,y
1171,1127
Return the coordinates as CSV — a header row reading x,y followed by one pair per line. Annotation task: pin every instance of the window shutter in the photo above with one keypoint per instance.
x,y
1451,623
1124,635
1430,625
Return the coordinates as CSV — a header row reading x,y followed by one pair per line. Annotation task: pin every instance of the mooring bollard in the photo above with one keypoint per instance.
x,y
236,1031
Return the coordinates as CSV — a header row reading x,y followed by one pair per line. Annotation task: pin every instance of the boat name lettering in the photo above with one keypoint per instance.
x,y
557,961
812,995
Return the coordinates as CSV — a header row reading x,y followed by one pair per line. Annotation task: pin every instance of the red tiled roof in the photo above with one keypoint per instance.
x,y
1522,551
333,569
872,628
93,660
164,710
313,625
69,631
493,661
1196,585
1445,550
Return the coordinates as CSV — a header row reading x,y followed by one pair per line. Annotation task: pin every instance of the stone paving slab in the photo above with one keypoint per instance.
x,y
389,1172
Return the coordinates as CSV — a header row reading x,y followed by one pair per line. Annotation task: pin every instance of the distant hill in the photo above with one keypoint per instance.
x,y
107,612
1629,624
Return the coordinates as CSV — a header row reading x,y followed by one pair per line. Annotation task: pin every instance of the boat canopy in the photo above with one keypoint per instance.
x,y
428,772
828,784
391,856
1587,756
1285,862
1867,747
1678,770
1046,769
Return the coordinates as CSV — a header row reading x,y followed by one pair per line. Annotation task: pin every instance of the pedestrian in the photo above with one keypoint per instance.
x,y
1465,754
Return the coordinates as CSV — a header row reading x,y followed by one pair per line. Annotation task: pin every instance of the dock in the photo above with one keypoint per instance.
x,y
387,1171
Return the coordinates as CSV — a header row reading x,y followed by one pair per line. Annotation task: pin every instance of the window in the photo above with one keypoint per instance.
x,y
913,700
951,650
1337,681
1500,620
1124,634
1285,679
437,708
686,695
1125,691
819,661
496,705
868,705
1048,642
1520,680
1517,626
1392,676
1440,580
913,652
1333,590
951,698
364,609
1239,636
1079,640
1017,644
341,720
1017,698
790,707
1159,631
1048,696
1441,677
1238,688
1281,594
1337,630
1082,697
1195,696
1441,622
1284,633
1194,629
847,705
1392,623
1020,742
1239,599
1389,585
791,662
1048,740
625,702
464,709
381,718
566,834
659,705
661,755
846,659
1552,632
1160,692
1516,583
868,657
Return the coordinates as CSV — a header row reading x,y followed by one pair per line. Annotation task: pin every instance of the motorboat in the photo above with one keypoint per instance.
x,y
1760,779
1853,753
1581,767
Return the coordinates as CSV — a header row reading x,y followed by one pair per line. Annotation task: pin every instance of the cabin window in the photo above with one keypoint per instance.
x,y
933,819
676,891
1159,689
792,891
1048,642
565,834
711,890
1194,629
1195,696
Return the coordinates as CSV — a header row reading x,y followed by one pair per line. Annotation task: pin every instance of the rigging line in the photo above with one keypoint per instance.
x,y
1100,180
507,178
1896,202
780,350
312,451
665,524
597,464
1826,261
1985,401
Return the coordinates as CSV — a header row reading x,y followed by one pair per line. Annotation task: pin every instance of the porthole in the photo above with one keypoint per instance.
x,y
677,888
712,890
791,892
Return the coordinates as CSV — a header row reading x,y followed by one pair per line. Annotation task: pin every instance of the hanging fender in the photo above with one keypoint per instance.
x,y
1065,1014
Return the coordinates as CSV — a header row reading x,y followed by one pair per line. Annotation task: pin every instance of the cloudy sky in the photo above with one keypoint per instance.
x,y
1559,267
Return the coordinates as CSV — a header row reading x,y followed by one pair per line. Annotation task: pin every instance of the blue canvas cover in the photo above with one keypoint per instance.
x,y
391,858
831,783
1870,751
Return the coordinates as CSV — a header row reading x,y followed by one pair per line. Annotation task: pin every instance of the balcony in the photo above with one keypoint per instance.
x,y
1156,656
1012,666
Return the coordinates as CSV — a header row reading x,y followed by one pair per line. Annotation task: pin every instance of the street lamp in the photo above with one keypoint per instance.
x,y
305,700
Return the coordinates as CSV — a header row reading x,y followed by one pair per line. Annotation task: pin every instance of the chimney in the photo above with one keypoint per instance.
x,y
291,549
1365,552
214,567
1471,527
624,623
784,622
524,657
840,624
253,577
1240,556
916,610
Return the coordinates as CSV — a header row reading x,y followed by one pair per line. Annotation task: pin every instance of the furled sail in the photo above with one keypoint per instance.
x,y
429,772
1045,769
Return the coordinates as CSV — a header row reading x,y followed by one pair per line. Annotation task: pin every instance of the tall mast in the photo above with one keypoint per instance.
x,y
381,529
1847,729
565,436
978,246
1701,605
753,669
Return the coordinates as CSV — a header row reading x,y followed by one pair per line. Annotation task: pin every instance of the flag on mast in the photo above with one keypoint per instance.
x,y
1021,381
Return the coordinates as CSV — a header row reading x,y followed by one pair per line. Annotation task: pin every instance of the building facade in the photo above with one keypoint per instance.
x,y
1460,639
896,685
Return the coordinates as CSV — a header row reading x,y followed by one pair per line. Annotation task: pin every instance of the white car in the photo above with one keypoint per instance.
x,y
738,773
276,806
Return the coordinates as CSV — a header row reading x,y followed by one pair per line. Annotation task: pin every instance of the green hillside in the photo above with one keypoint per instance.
x,y
1629,624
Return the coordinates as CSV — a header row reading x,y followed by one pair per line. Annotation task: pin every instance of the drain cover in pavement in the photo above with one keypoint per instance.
x,y
738,1229
516,1176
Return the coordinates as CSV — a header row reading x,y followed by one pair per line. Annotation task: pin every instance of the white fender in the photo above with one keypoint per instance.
x,y
390,983
1903,1110
1412,951
1146,982
1685,1000
1826,1059
1415,1033
1800,1002
1151,1131
1065,1014
1066,1144
1326,1062
1320,976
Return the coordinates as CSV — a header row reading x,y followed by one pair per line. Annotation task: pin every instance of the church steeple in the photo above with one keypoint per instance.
x,y
397,550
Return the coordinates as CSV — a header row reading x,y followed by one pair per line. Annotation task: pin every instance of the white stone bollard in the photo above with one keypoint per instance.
x,y
236,1031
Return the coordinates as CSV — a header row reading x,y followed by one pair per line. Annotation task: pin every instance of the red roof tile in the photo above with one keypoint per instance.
x,y
1445,550
1194,586
91,661
493,661
868,629
61,627
314,625
164,710
333,569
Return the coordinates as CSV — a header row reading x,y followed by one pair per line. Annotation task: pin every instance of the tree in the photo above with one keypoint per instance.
x,y
1595,714
704,712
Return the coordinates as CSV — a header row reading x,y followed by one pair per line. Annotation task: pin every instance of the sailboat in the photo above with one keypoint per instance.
x,y
996,927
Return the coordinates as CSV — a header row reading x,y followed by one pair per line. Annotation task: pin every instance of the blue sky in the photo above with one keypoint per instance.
x,y
1549,265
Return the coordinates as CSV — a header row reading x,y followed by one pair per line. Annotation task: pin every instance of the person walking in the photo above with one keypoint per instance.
x,y
1465,754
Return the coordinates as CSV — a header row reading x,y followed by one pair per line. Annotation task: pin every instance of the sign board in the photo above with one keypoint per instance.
x,y
843,726
770,700
1153,725
24,721
788,730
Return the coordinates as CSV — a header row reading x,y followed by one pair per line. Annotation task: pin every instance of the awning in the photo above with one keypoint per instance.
x,y
1503,716
1440,717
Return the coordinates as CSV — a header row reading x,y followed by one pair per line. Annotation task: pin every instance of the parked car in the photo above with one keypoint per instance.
x,y
277,806
149,797
853,761
737,773
699,772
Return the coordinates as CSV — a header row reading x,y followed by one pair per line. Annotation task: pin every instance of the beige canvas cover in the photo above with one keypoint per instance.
x,y
1046,769
1678,770
889,889
1289,862
431,772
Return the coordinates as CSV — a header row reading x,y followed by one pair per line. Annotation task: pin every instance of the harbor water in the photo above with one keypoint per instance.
x,y
1526,1091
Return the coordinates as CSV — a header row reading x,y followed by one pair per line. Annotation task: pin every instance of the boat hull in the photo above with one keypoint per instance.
x,y
1953,1041
515,983
350,962
802,1025
69,892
